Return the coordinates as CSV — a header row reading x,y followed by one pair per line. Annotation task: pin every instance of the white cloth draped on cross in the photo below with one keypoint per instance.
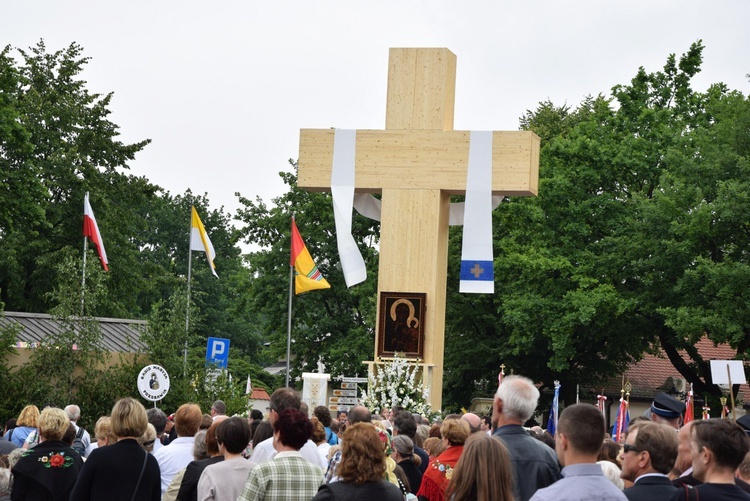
x,y
475,214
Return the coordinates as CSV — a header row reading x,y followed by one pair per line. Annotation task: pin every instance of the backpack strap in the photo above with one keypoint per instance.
x,y
689,491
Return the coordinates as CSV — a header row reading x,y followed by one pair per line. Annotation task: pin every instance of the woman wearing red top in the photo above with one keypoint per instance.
x,y
438,474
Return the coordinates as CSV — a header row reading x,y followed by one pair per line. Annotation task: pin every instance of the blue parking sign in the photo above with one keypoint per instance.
x,y
217,352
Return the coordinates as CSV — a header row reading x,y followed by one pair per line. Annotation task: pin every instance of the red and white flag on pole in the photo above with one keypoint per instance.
x,y
91,230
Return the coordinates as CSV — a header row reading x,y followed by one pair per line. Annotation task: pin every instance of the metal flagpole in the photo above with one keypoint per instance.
x,y
83,274
289,324
187,307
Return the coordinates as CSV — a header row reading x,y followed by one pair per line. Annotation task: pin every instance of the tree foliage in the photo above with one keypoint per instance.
x,y
637,240
57,143
336,325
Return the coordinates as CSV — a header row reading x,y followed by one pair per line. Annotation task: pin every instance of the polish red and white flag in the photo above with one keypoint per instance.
x,y
91,230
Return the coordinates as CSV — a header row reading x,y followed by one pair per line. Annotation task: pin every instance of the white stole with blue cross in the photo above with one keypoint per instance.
x,y
477,275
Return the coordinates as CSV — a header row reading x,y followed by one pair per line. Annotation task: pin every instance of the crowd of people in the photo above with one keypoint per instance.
x,y
285,455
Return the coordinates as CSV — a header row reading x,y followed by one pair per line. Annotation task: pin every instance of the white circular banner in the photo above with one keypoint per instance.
x,y
153,382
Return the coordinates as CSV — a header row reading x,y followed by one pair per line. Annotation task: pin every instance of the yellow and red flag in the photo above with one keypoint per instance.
x,y
307,277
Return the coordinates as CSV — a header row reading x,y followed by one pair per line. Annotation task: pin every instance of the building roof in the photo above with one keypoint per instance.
x,y
656,373
277,368
259,394
118,335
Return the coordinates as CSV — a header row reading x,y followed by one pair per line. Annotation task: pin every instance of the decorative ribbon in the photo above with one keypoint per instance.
x,y
475,214
477,275
342,190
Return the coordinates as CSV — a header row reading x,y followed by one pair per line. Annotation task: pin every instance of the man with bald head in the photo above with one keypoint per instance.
x,y
475,423
357,414
83,438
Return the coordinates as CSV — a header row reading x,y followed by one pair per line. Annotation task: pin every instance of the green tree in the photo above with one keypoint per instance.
x,y
335,325
57,143
20,185
636,241
72,364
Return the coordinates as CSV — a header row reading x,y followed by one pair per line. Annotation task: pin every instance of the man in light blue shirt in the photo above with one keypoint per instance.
x,y
580,433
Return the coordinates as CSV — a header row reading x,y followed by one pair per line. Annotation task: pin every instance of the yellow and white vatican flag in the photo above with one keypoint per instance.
x,y
199,240
476,273
342,190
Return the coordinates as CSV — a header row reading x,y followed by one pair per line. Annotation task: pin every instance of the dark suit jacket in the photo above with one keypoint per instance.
x,y
651,489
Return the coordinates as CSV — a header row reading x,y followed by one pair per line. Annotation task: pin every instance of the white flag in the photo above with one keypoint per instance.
x,y
199,240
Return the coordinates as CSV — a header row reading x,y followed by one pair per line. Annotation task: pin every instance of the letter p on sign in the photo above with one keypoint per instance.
x,y
217,352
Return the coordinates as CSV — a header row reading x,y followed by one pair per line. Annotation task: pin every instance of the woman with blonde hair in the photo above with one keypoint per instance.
x,y
149,438
483,473
25,425
438,474
103,432
123,470
362,469
434,446
48,470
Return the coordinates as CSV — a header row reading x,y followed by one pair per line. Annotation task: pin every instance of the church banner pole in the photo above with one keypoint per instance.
x,y
731,393
83,274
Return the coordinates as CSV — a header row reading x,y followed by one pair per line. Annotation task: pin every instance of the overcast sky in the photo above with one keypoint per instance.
x,y
223,87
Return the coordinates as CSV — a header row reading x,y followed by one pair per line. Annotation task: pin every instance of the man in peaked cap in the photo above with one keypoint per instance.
x,y
667,410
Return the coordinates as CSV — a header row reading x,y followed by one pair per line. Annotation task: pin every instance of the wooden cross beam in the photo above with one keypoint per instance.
x,y
416,164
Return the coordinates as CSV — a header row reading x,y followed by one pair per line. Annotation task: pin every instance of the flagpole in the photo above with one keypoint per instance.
x,y
289,324
187,307
83,273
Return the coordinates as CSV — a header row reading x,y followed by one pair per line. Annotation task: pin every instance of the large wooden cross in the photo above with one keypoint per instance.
x,y
416,164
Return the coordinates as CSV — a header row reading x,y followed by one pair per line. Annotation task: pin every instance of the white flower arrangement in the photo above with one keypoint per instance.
x,y
394,384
